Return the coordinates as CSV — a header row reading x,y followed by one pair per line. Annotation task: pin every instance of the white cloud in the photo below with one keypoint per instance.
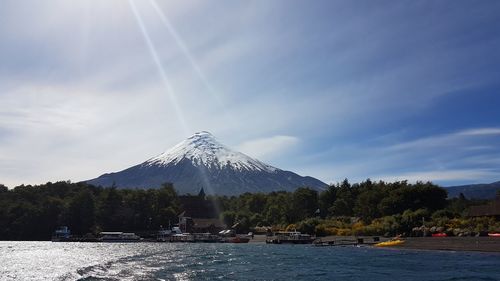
x,y
460,138
268,148
81,95
69,132
442,175
451,158
479,132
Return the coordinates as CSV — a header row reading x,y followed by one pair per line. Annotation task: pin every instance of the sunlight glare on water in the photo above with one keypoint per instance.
x,y
167,261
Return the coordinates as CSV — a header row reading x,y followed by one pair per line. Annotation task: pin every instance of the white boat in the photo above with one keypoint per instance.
x,y
163,235
290,237
61,234
182,237
115,236
230,236
207,238
174,235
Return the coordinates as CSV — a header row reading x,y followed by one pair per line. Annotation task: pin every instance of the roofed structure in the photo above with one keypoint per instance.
x,y
199,214
490,209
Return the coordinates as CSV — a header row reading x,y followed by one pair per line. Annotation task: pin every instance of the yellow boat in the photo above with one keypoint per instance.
x,y
390,243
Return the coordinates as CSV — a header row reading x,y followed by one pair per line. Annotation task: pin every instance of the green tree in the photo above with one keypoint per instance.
x,y
167,205
411,219
256,202
80,213
344,203
304,203
229,218
326,199
109,210
274,215
367,202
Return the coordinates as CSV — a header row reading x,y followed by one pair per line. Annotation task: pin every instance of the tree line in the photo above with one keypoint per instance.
x,y
366,208
33,212
366,200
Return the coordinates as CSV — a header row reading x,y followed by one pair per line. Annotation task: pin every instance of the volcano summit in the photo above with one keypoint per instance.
x,y
201,161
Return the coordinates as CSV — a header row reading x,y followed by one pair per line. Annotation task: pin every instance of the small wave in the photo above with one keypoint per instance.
x,y
469,277
95,278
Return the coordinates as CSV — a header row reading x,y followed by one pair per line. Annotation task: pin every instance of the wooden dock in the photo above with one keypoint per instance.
x,y
333,241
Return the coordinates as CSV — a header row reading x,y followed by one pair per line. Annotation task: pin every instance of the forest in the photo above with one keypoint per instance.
x,y
367,208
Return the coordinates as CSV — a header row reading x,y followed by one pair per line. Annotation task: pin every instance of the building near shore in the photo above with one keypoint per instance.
x,y
199,215
492,209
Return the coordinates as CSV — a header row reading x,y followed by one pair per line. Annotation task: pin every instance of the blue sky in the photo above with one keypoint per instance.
x,y
386,90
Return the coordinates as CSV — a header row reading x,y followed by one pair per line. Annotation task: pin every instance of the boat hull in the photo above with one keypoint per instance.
x,y
290,237
238,240
279,241
120,240
389,243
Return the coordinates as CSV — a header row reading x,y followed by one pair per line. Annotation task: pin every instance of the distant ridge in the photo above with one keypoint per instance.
x,y
475,191
201,161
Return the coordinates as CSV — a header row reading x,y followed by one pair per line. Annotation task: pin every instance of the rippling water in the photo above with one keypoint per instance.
x,y
165,261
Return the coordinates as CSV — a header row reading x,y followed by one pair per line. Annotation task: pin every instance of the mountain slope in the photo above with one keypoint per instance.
x,y
476,191
201,161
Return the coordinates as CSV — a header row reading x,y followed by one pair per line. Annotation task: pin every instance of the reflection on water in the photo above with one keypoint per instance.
x,y
165,261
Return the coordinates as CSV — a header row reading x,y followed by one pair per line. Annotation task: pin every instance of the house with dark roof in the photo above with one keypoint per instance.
x,y
199,215
492,209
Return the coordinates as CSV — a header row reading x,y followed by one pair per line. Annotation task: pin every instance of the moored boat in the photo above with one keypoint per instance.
x,y
163,235
238,239
207,238
116,236
496,234
290,237
182,237
441,234
390,243
62,234
230,236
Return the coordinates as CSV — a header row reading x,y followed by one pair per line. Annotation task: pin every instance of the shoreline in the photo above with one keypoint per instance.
x,y
472,244
462,244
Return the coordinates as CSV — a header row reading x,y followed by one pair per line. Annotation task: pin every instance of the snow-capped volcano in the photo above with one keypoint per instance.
x,y
201,161
202,149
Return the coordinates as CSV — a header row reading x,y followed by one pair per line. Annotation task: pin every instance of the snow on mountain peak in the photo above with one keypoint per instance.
x,y
203,149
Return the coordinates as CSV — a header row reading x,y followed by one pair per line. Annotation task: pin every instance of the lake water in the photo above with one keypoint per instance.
x,y
176,261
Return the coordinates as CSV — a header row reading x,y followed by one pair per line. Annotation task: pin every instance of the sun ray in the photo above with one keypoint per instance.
x,y
185,50
161,70
166,82
156,59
